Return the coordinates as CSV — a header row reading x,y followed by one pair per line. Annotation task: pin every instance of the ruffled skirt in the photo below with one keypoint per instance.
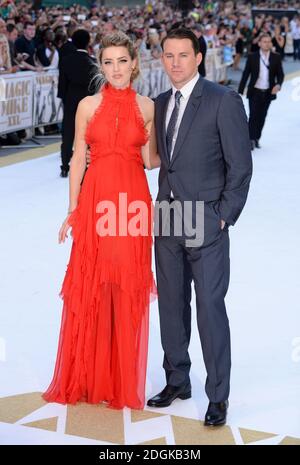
x,y
103,343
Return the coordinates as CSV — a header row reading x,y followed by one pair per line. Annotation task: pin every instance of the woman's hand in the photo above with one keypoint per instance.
x,y
64,230
88,156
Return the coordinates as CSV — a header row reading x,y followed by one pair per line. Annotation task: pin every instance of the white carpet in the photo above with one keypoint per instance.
x,y
263,300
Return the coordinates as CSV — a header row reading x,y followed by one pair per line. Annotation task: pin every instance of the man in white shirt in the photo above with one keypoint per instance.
x,y
295,26
266,77
201,128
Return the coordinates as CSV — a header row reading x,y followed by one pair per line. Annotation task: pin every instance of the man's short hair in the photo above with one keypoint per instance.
x,y
264,35
182,33
81,38
28,23
10,27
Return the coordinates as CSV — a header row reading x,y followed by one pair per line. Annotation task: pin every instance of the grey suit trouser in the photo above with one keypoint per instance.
x,y
208,267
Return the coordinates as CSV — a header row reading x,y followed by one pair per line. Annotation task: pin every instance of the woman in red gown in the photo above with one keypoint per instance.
x,y
102,352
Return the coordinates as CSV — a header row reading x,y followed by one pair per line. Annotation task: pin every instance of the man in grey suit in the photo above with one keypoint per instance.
x,y
204,146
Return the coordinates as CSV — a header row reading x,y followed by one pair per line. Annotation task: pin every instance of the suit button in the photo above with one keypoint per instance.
x,y
170,171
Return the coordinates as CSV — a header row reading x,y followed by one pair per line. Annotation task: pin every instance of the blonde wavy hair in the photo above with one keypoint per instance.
x,y
120,39
5,61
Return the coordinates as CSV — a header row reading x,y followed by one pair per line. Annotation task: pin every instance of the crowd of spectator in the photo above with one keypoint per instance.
x,y
31,39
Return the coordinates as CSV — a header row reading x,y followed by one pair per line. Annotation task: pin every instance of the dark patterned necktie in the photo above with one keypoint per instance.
x,y
172,122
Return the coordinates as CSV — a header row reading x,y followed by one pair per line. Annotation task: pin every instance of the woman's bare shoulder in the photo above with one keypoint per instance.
x,y
88,104
147,106
145,101
91,100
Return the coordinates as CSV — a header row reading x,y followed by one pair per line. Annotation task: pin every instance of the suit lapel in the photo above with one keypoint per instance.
x,y
257,66
162,123
188,117
271,63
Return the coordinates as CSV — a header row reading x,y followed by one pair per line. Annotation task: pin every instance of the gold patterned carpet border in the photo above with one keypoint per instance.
x,y
24,154
102,424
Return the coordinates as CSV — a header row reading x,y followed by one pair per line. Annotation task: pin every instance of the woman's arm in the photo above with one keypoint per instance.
x,y
77,165
78,160
149,151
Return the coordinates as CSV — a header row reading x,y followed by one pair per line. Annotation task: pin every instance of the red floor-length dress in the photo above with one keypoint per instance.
x,y
103,344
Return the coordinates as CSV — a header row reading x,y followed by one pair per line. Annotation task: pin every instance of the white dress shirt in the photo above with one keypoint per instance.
x,y
55,58
186,91
295,30
263,78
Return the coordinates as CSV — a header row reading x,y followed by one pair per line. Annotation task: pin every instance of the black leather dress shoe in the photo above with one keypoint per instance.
x,y
216,413
257,144
64,173
170,393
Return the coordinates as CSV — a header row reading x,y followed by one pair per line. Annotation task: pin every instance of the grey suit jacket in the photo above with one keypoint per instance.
x,y
212,156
